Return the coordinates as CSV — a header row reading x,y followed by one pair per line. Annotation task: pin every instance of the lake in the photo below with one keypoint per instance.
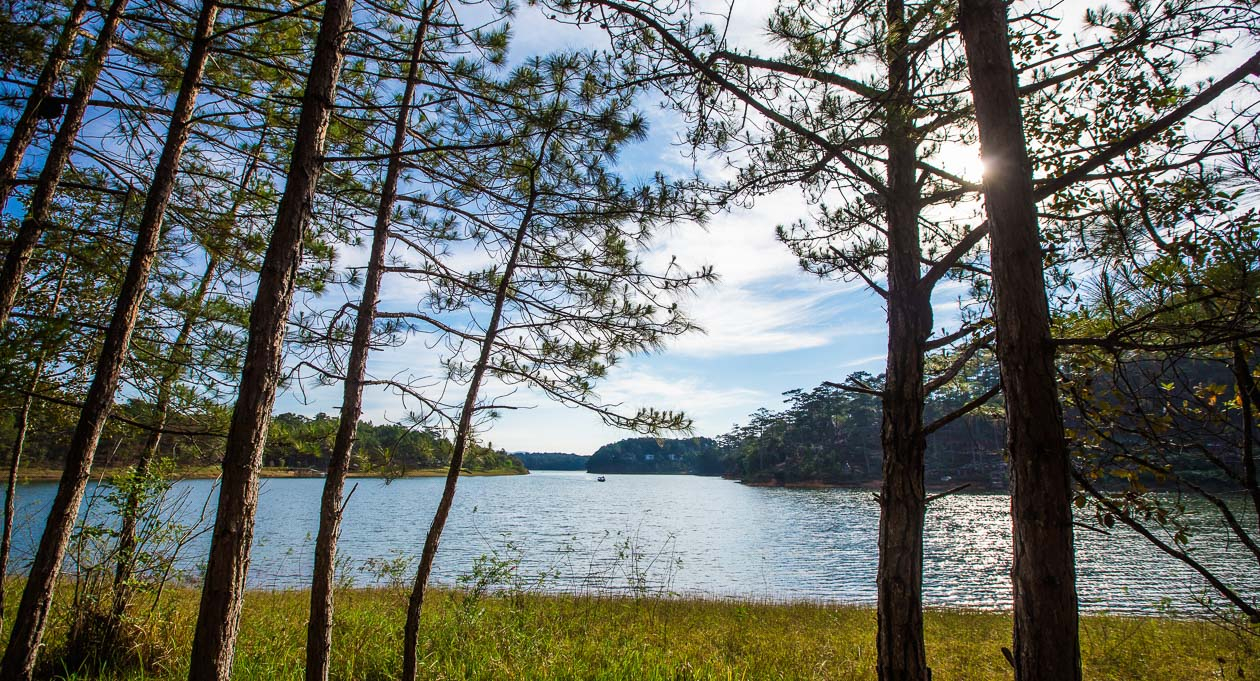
x,y
659,534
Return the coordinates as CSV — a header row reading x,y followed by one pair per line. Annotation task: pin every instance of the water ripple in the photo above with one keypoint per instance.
x,y
682,534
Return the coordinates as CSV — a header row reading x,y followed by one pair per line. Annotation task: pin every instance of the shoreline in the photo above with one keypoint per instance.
x,y
664,597
213,472
41,475
959,487
952,487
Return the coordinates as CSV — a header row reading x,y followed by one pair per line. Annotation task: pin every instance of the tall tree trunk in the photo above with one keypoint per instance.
x,y
21,423
463,435
319,627
31,228
218,619
19,658
1046,641
27,123
899,609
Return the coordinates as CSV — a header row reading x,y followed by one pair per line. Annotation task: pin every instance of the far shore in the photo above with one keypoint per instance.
x,y
213,472
960,486
954,486
29,475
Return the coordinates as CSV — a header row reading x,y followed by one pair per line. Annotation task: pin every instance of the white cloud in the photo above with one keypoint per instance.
x,y
870,362
739,243
763,302
766,320
549,426
634,388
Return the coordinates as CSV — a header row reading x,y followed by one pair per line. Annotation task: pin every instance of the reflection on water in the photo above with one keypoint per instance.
x,y
681,533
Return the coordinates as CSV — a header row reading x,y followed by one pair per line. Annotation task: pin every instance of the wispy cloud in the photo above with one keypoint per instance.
x,y
542,425
751,320
635,388
869,361
763,303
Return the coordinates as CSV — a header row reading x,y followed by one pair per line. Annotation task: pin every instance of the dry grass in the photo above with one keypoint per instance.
x,y
527,636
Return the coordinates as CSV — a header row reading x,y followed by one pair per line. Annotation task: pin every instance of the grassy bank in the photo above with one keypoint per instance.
x,y
564,637
211,472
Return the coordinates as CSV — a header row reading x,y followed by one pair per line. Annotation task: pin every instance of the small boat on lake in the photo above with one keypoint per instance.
x,y
601,479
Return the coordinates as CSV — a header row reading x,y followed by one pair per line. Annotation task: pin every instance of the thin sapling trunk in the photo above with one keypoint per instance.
x,y
463,435
319,628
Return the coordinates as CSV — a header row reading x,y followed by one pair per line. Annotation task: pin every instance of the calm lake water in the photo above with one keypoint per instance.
x,y
675,534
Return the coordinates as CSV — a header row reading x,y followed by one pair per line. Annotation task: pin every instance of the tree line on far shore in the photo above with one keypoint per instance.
x,y
294,441
831,435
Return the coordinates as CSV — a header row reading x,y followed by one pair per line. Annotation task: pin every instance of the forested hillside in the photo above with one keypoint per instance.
x,y
832,436
295,441
697,455
552,461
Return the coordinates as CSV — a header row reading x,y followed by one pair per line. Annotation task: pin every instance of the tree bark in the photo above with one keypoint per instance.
x,y
19,657
31,228
319,627
27,123
463,435
218,619
1046,644
899,608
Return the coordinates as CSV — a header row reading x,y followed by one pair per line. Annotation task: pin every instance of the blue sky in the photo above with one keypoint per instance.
x,y
769,327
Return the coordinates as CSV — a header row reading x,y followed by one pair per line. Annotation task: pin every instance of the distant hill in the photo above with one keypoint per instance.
x,y
695,455
552,461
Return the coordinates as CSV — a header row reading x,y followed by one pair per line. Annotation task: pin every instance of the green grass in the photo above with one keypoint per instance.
x,y
568,637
